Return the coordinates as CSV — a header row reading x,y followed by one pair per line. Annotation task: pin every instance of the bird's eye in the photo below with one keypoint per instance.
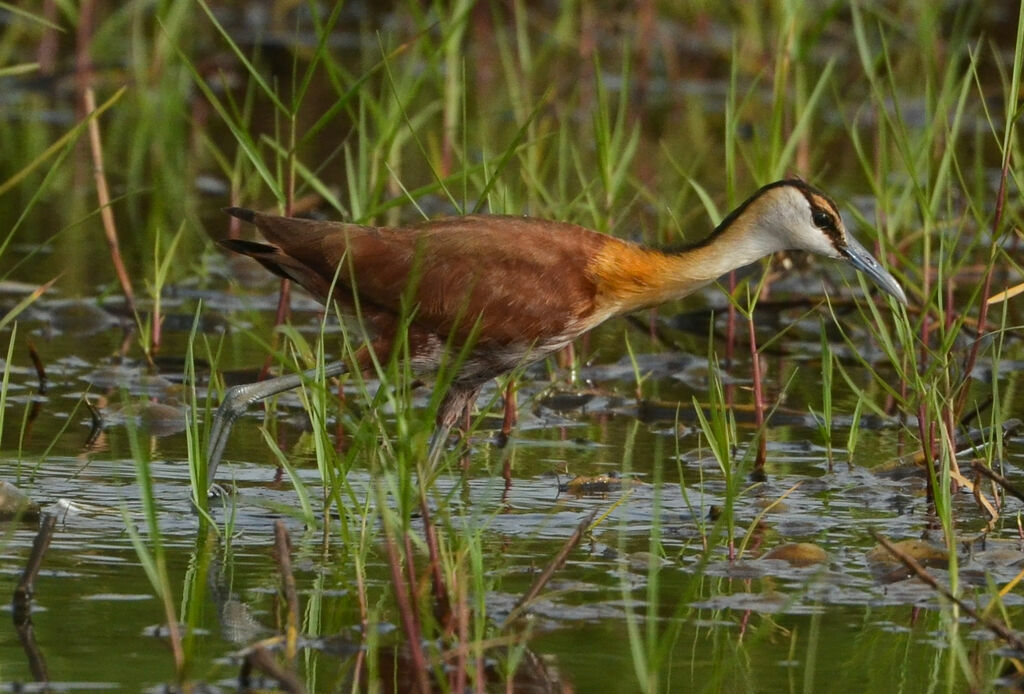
x,y
823,220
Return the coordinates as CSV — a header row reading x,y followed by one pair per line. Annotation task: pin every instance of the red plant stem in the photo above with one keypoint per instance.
x,y
986,290
405,613
442,596
88,96
951,445
511,413
410,567
283,545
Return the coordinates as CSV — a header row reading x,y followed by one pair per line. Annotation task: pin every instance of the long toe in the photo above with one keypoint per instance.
x,y
237,400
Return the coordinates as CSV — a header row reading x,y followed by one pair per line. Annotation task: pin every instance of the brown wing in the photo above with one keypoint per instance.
x,y
523,278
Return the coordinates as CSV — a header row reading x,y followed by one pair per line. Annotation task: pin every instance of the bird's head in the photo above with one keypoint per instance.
x,y
792,215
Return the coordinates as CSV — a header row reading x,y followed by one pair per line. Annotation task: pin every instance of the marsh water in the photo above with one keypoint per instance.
x,y
754,624
622,414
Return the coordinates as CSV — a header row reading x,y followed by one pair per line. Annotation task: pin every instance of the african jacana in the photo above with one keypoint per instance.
x,y
518,288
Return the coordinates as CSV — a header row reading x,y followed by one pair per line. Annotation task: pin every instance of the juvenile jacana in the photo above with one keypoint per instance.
x,y
516,288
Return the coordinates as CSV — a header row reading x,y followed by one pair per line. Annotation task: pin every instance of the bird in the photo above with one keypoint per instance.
x,y
506,291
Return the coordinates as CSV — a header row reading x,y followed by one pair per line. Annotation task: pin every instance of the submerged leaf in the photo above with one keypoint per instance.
x,y
886,568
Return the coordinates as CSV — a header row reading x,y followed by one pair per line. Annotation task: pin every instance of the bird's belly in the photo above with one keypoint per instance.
x,y
480,363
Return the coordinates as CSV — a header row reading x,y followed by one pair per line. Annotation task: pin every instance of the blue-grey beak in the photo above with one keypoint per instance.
x,y
861,259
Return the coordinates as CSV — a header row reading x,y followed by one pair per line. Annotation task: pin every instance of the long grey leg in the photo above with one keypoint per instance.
x,y
237,400
458,400
438,440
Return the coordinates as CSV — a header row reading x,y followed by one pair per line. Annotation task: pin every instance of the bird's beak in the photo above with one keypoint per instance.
x,y
861,259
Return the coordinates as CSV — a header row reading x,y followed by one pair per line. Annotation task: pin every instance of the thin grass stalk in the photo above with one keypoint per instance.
x,y
193,440
654,627
453,88
359,569
717,428
283,311
195,592
759,406
313,625
645,673
827,382
732,123
810,659
5,379
154,561
462,619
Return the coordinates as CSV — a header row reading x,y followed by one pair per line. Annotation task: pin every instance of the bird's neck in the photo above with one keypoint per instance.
x,y
631,277
730,249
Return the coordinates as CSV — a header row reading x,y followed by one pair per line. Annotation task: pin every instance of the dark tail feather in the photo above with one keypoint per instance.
x,y
242,213
266,255
248,247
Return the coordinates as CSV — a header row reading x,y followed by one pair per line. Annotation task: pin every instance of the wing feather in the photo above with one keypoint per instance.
x,y
523,279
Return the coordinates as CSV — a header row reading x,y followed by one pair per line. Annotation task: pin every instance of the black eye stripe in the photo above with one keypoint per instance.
x,y
828,222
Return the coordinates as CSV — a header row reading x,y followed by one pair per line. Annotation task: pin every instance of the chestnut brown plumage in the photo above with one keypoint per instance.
x,y
512,290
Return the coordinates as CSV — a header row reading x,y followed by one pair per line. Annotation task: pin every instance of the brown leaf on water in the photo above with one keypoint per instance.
x,y
598,484
799,554
888,569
